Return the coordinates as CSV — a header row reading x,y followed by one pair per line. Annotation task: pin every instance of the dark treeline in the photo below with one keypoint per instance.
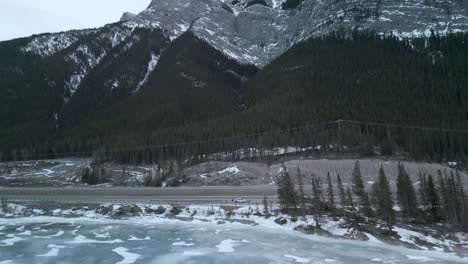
x,y
440,199
353,76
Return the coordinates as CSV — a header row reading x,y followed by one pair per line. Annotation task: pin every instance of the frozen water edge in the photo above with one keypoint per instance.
x,y
411,254
200,220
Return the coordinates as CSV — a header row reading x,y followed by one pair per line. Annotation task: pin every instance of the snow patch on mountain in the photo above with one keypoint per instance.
x,y
151,66
88,55
257,33
49,44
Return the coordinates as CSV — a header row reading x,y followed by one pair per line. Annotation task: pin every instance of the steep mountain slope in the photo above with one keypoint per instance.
x,y
191,82
359,78
255,32
186,70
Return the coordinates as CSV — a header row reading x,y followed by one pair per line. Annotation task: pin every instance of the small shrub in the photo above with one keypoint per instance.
x,y
176,210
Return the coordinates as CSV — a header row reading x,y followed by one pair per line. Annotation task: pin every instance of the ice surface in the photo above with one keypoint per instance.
x,y
193,253
228,245
84,240
10,241
52,253
419,258
297,259
183,244
128,258
134,238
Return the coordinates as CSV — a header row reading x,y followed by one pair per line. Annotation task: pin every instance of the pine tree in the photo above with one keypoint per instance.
x,y
286,193
341,191
301,196
266,210
349,200
317,199
331,195
454,202
461,195
432,198
406,194
385,203
359,190
423,196
375,194
444,199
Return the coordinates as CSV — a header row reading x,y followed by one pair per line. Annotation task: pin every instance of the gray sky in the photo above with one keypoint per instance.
x,y
20,18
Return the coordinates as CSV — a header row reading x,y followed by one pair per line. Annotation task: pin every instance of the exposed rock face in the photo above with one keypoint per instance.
x,y
127,16
256,32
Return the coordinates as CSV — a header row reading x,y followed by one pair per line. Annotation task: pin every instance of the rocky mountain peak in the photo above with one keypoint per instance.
x,y
127,16
258,31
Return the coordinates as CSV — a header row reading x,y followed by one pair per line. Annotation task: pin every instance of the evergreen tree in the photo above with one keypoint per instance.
x,y
406,194
301,196
286,192
317,199
359,190
433,199
375,194
442,189
423,196
461,196
385,203
341,191
350,201
266,210
331,195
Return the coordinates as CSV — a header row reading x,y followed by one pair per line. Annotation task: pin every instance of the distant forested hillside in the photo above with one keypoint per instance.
x,y
197,101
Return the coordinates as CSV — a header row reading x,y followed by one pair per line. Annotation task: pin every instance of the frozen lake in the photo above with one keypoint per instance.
x,y
61,240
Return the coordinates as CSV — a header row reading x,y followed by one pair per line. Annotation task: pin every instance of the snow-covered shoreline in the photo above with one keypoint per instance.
x,y
429,242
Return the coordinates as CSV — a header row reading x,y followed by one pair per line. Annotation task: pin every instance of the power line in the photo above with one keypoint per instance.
x,y
435,129
214,140
160,146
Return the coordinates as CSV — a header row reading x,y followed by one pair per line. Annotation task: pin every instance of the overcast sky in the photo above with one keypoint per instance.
x,y
19,18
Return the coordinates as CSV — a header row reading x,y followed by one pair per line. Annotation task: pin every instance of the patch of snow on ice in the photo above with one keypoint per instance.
x,y
56,246
419,258
227,246
134,238
10,241
84,240
52,253
128,258
105,235
183,244
297,259
25,233
193,253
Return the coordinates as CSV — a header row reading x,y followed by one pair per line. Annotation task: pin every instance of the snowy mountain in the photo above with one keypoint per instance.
x,y
257,31
187,61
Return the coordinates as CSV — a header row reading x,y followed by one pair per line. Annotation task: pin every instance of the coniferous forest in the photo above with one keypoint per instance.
x,y
193,103
438,199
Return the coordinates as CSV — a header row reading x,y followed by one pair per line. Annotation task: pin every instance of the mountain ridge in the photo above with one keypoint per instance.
x,y
170,72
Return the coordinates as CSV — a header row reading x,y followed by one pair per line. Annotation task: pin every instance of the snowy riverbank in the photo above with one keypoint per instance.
x,y
423,239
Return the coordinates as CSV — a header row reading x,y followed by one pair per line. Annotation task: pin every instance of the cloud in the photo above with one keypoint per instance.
x,y
19,18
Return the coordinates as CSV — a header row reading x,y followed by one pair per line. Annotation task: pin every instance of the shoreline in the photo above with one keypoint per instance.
x,y
454,245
